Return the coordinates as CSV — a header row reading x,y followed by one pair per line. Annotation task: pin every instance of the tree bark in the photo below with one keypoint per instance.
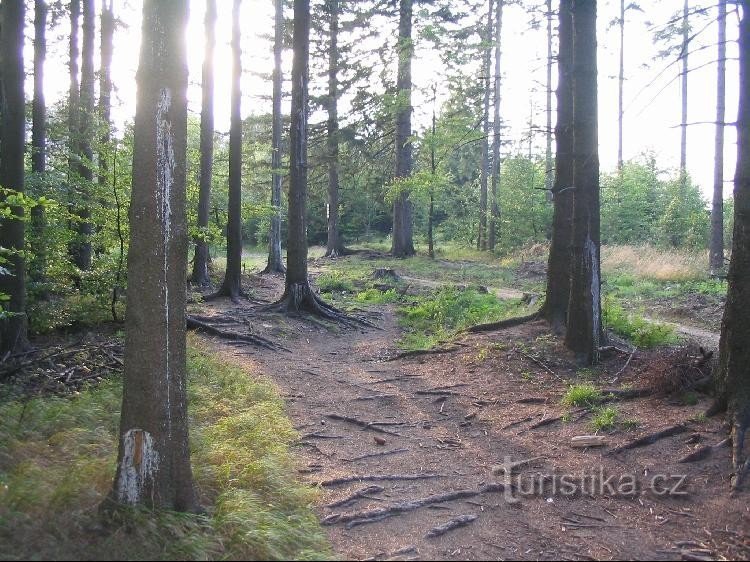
x,y
403,242
732,374
584,307
275,261
496,132
549,171
558,269
684,95
13,324
620,87
39,147
200,274
82,203
482,238
335,246
153,466
232,285
105,87
716,253
74,102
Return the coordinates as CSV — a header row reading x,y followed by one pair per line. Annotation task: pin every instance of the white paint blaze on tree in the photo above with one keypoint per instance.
x,y
154,462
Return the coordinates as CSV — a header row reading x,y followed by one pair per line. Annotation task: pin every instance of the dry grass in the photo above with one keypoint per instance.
x,y
654,263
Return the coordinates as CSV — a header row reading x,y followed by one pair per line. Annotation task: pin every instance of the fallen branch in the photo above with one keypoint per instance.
x,y
376,477
372,455
360,423
455,523
361,493
625,366
651,438
355,518
538,362
376,397
508,323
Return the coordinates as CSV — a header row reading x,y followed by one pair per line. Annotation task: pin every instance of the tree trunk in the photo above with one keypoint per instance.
x,y
335,247
732,374
82,203
153,466
433,170
403,243
549,176
74,102
584,308
105,87
496,132
620,86
558,269
684,96
275,262
39,147
12,145
200,274
482,238
716,254
232,286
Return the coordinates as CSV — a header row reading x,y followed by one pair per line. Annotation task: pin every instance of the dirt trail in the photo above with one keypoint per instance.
x,y
446,420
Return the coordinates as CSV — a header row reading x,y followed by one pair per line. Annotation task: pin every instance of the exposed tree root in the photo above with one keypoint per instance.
x,y
418,352
274,269
651,438
355,518
194,323
361,493
502,324
363,424
376,477
300,298
372,455
704,452
455,523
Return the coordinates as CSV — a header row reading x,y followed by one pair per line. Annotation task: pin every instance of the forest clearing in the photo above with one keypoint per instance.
x,y
342,280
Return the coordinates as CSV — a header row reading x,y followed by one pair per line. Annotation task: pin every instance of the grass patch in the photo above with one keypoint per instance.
x,y
57,461
637,329
335,281
605,418
582,395
439,316
376,296
658,264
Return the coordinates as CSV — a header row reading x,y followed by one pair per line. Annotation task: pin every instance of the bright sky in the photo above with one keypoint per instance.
x,y
652,102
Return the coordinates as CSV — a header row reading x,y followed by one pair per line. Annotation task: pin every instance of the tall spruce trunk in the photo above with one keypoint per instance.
x,y
549,171
558,268
232,285
106,51
335,246
496,132
38,264
82,205
620,87
13,325
584,307
153,465
716,248
485,162
732,374
74,98
275,261
200,275
403,242
684,95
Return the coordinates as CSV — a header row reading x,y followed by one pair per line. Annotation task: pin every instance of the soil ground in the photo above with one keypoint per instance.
x,y
444,420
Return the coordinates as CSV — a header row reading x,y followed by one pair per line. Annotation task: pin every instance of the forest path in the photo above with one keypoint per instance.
x,y
443,421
